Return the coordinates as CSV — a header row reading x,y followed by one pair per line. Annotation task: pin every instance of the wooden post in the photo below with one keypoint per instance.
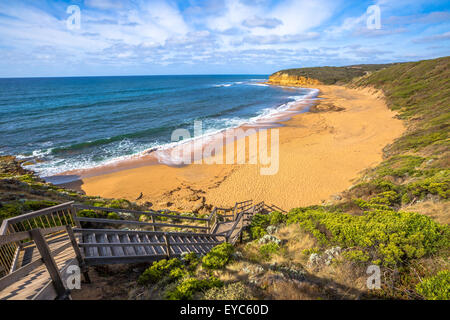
x,y
73,212
234,211
50,263
166,238
80,259
153,221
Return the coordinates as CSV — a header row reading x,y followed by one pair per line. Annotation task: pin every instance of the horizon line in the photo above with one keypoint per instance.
x,y
141,75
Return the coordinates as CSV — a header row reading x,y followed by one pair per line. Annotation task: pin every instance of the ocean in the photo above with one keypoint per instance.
x,y
64,124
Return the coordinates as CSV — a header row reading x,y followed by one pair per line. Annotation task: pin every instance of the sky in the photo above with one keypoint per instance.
x,y
112,37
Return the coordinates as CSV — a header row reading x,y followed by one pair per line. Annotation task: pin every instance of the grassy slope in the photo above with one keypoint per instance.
x,y
21,191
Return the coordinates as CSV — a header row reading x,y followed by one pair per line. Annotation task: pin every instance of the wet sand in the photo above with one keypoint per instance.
x,y
320,154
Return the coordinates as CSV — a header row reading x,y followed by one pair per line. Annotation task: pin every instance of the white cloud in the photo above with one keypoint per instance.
x,y
104,4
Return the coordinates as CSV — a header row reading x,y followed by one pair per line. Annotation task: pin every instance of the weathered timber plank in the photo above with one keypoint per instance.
x,y
116,250
103,250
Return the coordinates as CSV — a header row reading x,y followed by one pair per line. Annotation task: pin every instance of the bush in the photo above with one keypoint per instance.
x,y
9,210
356,255
33,205
277,217
190,260
400,166
437,287
257,232
171,268
266,250
119,204
437,185
113,215
89,214
260,222
189,286
218,257
15,208
393,237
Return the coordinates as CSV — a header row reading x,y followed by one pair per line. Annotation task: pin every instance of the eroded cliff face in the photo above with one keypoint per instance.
x,y
284,79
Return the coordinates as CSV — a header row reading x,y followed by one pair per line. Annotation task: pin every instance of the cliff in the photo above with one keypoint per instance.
x,y
324,75
285,79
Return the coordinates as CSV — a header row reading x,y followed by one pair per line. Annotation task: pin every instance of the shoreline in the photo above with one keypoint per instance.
x,y
161,154
348,126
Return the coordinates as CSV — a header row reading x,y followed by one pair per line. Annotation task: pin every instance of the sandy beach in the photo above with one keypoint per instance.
x,y
321,153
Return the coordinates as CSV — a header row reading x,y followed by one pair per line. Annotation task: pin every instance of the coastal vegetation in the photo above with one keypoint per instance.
x,y
326,75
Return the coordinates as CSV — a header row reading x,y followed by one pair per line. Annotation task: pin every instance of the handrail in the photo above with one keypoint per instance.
x,y
38,236
140,223
151,213
252,210
58,215
239,216
275,208
84,231
8,222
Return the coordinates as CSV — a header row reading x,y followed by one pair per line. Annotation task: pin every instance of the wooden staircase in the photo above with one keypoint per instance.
x,y
125,246
37,248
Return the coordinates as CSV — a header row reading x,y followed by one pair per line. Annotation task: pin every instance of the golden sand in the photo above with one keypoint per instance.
x,y
320,154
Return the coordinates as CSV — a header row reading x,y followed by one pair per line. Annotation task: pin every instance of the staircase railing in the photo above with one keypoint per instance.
x,y
55,216
37,236
241,221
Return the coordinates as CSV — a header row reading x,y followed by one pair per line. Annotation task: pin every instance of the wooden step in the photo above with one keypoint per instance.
x,y
129,251
91,251
104,251
117,251
140,251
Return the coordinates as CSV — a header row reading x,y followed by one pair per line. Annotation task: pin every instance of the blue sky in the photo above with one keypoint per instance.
x,y
214,37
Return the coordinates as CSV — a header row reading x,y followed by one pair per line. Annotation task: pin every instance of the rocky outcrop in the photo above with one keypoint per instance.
x,y
285,79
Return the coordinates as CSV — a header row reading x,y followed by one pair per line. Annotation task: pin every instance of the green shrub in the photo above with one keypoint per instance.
x,y
392,237
88,214
119,204
113,215
405,199
218,257
310,251
33,205
189,286
266,250
8,210
438,185
257,232
28,178
389,198
400,166
191,261
435,288
260,222
277,217
160,269
356,255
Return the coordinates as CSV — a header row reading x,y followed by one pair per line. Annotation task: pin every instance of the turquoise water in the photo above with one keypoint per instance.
x,y
74,123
